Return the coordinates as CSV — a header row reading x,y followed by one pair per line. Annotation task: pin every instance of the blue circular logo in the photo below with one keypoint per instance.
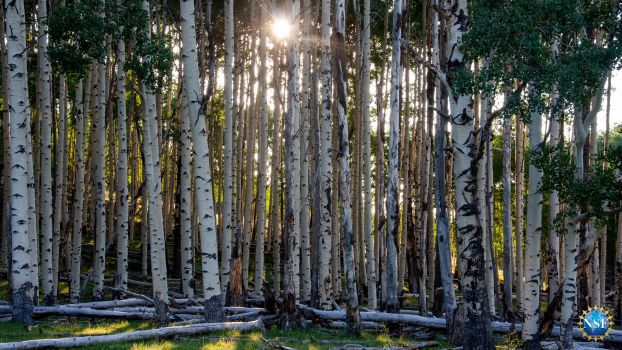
x,y
595,323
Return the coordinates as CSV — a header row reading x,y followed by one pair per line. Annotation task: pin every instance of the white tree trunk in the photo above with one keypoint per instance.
x,y
45,112
340,73
531,302
60,196
392,230
18,106
477,331
185,206
325,285
225,262
520,189
120,281
367,204
292,160
99,159
508,249
262,162
78,197
202,172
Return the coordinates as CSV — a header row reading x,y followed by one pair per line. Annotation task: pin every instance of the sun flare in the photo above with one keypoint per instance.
x,y
281,28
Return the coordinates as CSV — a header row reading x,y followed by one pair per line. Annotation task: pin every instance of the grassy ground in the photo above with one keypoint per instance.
x,y
315,338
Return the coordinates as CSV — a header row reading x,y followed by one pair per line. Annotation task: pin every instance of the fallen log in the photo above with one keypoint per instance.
x,y
111,303
84,312
165,332
615,336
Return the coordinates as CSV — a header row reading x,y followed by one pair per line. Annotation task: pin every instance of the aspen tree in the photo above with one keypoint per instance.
x,y
202,173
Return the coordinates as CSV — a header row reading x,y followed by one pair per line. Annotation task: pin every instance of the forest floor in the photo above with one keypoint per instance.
x,y
315,338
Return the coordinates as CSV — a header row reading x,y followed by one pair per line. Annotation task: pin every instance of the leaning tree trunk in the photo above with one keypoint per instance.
x,y
477,331
202,170
22,287
531,302
340,74
45,111
325,287
120,278
392,230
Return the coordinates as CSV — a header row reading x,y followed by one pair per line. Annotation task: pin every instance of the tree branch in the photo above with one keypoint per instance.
x,y
440,74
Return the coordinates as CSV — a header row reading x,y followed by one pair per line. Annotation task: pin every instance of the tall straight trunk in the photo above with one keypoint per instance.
x,y
22,286
553,244
60,196
78,196
531,303
44,102
99,160
508,249
594,229
404,168
482,193
262,162
340,81
120,281
275,196
520,190
6,154
477,331
225,262
325,286
202,172
292,169
185,205
305,115
392,230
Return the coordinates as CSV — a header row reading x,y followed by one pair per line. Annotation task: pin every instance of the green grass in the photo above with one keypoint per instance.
x,y
314,338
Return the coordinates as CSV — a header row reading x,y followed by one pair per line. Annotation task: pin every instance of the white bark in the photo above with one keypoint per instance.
x,y
60,196
292,159
99,158
120,281
45,112
78,198
202,172
392,229
340,74
18,107
185,206
225,262
531,301
508,249
325,285
262,162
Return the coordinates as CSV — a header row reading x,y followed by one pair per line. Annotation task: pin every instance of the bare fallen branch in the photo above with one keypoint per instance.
x,y
165,332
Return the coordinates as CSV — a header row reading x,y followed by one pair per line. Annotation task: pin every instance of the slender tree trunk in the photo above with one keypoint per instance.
x,y
531,303
22,287
225,262
186,205
99,160
60,196
340,74
45,112
508,249
305,116
325,283
520,190
392,230
121,276
202,172
262,162
292,172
